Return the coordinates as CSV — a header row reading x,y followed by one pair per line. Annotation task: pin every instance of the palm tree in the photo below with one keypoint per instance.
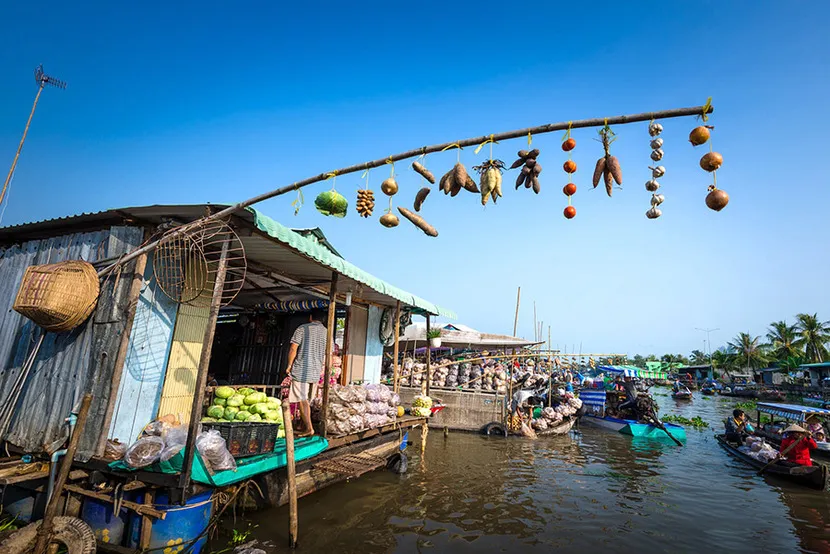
x,y
699,358
814,335
784,341
722,361
748,351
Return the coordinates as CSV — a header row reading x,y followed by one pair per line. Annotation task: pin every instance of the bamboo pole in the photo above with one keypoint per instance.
x,y
329,345
429,356
22,140
519,133
395,366
201,375
516,319
535,327
291,470
44,532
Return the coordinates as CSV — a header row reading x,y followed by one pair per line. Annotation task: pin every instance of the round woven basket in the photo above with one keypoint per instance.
x,y
60,296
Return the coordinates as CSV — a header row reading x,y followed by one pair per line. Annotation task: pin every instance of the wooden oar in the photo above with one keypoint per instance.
x,y
783,453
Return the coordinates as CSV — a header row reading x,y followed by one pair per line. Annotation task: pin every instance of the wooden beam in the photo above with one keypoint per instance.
x,y
330,325
204,362
429,361
138,508
121,355
344,355
395,366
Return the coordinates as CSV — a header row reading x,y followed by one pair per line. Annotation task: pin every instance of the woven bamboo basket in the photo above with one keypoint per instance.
x,y
60,296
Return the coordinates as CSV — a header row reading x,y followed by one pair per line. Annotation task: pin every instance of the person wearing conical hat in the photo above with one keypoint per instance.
x,y
799,438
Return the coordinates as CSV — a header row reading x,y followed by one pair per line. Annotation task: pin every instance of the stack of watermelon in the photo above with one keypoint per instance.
x,y
243,404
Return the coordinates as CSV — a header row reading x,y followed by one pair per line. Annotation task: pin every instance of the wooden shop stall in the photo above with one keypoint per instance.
x,y
212,307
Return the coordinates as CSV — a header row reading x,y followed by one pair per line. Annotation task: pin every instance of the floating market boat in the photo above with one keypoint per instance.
x,y
596,402
682,395
707,390
814,477
790,413
561,429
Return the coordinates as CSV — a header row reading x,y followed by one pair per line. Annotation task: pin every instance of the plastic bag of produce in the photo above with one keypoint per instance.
x,y
359,393
174,440
214,451
422,401
395,400
385,394
355,423
338,412
539,424
144,451
372,393
114,450
357,408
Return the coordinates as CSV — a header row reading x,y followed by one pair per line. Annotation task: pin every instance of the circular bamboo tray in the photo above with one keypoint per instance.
x,y
60,296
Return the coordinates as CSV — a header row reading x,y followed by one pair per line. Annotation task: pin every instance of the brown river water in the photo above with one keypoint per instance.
x,y
595,489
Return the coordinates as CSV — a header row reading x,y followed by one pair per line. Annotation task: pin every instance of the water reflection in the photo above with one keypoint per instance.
x,y
595,490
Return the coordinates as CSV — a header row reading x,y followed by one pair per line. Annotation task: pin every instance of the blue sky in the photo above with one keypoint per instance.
x,y
204,102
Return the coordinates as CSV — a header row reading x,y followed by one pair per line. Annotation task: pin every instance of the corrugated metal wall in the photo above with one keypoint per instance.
x,y
146,361
68,364
180,381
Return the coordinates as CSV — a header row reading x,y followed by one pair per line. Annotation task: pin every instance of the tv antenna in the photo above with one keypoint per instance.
x,y
42,80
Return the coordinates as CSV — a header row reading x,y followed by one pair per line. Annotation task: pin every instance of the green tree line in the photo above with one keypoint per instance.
x,y
788,345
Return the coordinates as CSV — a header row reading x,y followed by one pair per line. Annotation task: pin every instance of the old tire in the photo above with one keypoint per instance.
x,y
68,531
495,428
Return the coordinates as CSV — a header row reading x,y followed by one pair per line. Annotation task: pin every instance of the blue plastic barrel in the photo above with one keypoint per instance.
x,y
181,525
18,502
108,527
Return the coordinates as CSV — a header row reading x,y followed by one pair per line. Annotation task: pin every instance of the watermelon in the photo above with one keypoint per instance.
x,y
216,411
224,392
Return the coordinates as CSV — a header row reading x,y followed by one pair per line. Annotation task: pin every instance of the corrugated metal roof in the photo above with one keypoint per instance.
x,y
68,364
292,260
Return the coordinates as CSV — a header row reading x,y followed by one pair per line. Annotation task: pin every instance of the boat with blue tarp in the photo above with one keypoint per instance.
x,y
813,418
602,410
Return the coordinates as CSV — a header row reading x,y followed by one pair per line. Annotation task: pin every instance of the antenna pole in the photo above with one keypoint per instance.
x,y
42,80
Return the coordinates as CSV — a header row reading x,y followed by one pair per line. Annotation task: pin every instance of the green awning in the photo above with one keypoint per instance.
x,y
319,253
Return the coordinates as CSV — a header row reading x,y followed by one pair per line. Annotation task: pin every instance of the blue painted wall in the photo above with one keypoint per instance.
x,y
146,362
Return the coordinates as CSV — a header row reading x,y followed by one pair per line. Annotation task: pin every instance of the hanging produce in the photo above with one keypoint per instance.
x,y
654,130
531,169
389,187
455,179
717,199
418,221
420,197
331,203
700,135
365,202
389,220
491,179
608,166
424,172
568,144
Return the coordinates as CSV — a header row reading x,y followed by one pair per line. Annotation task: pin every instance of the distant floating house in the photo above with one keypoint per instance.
x,y
456,336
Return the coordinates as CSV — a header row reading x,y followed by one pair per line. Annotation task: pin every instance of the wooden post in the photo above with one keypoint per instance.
x,y
293,516
344,367
146,523
121,356
535,327
395,366
429,355
330,325
201,376
44,533
516,320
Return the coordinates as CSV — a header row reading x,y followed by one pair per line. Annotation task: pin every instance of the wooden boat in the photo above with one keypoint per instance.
x,y
682,395
792,413
814,477
595,402
560,429
771,394
707,391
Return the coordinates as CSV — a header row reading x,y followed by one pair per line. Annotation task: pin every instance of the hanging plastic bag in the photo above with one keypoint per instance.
x,y
174,441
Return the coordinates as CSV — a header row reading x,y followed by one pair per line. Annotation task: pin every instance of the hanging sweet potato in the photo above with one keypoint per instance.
x,y
424,172
420,197
419,222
